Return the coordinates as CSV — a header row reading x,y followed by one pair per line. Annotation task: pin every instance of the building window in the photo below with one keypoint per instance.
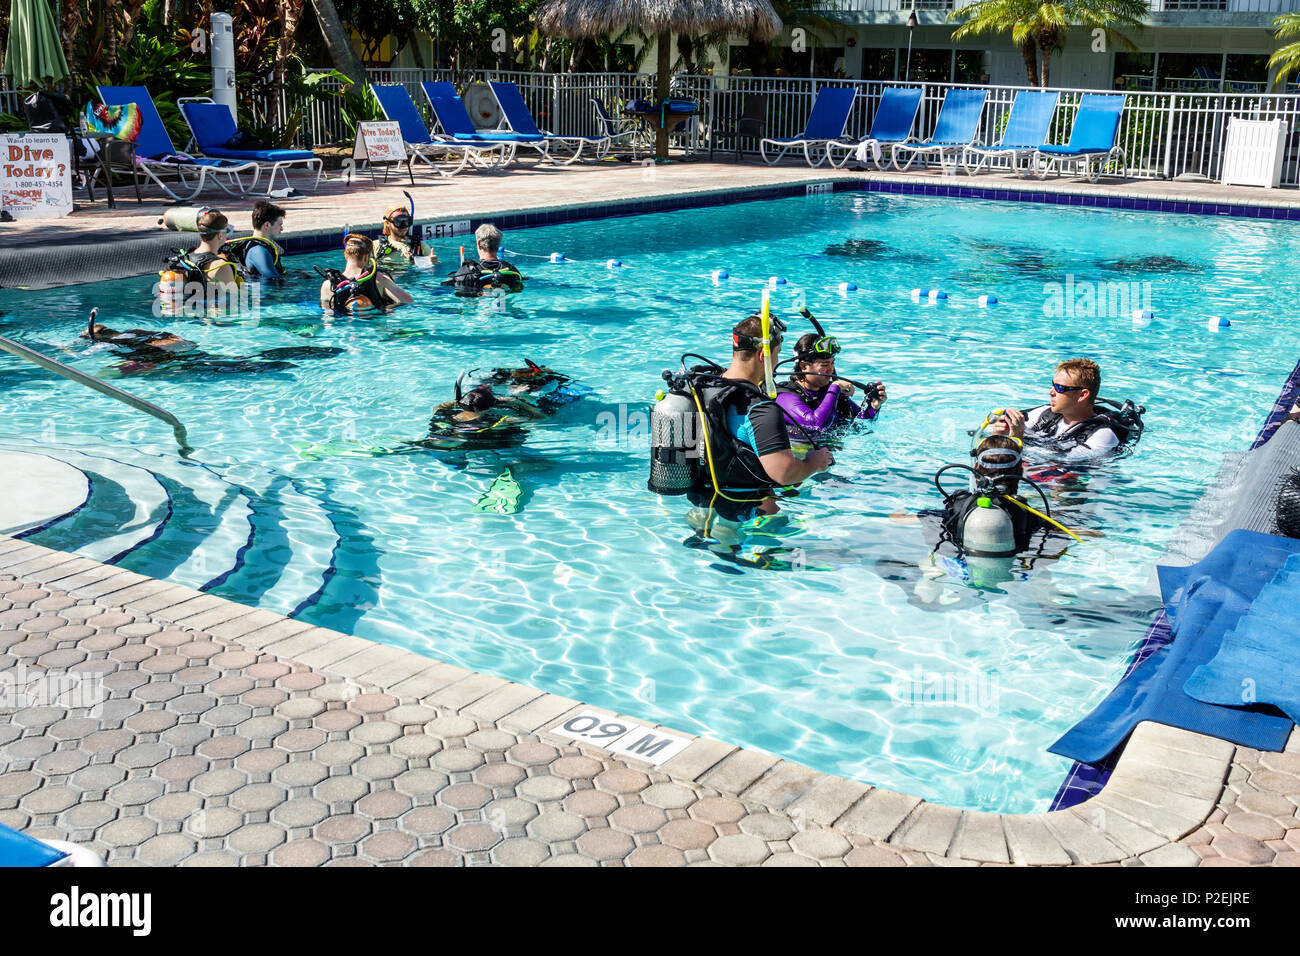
x,y
1189,72
879,64
1246,73
928,65
968,67
1135,71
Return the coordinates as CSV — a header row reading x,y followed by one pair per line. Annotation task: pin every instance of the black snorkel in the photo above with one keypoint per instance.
x,y
90,326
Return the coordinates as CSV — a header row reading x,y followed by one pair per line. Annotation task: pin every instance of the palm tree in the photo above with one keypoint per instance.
x,y
1287,58
338,43
1038,29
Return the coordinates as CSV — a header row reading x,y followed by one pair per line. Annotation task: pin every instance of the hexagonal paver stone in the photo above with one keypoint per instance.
x,y
657,855
668,796
465,796
509,812
195,675
821,844
265,727
411,714
61,762
152,721
344,789
450,726
638,818
193,703
427,820
262,761
379,767
717,810
164,663
687,834
300,741
29,748
543,788
132,831
372,703
296,773
343,828
73,728
252,696
256,838
389,845
301,853
88,816
520,851
458,759
213,823
556,827
767,826
135,793
474,836
569,859
384,805
180,768
376,732
739,849
216,783
306,680
300,812
499,775
605,844
157,692
491,739
413,746
590,803
1269,804
1260,827
438,857
420,782
186,736
576,767
873,856
50,800
267,670
226,715
622,780
1241,848
95,778
339,753
532,753
107,741
174,806
258,796
298,708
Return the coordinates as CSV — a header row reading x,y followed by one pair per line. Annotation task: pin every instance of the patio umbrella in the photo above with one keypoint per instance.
x,y
34,54
601,18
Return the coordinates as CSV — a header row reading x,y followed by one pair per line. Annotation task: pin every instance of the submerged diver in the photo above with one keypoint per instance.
x,y
544,388
487,272
361,284
479,418
1071,425
813,398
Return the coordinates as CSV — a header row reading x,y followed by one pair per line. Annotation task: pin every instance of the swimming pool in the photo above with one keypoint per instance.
x,y
846,656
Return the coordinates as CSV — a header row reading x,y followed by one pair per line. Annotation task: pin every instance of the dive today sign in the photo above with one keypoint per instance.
x,y
35,175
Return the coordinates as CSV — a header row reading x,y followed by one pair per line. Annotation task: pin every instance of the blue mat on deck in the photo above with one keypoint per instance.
x,y
1258,660
1203,603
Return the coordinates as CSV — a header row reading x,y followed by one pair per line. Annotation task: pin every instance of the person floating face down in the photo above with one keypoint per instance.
x,y
813,399
1069,425
753,457
396,245
361,284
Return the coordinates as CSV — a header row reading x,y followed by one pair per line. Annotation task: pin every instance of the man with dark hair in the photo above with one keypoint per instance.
x,y
755,452
259,254
1070,421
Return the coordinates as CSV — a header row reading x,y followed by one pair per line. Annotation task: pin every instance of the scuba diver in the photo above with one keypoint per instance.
x,y
814,398
361,284
205,273
487,272
544,388
718,435
479,418
135,339
1071,426
259,255
396,246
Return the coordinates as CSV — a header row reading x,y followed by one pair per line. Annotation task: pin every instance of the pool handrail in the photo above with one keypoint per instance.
x,y
112,391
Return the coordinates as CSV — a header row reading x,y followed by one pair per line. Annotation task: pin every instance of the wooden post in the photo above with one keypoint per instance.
x,y
661,92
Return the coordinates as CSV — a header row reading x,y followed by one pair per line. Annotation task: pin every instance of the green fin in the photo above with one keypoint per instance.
x,y
502,497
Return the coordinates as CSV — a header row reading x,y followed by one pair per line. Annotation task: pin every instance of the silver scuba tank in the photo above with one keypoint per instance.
x,y
987,531
182,218
674,449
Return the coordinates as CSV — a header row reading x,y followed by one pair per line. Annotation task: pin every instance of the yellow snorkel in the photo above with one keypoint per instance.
x,y
768,383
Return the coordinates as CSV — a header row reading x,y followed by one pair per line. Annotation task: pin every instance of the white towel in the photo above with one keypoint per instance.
x,y
868,145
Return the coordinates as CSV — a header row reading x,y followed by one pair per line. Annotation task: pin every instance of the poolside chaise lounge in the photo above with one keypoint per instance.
x,y
1026,131
521,120
1096,126
826,122
157,157
891,126
955,130
454,120
213,126
398,106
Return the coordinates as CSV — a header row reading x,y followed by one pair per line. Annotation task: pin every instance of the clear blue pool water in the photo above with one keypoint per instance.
x,y
591,591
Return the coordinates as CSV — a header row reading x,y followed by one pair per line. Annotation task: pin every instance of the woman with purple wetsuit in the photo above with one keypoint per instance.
x,y
813,399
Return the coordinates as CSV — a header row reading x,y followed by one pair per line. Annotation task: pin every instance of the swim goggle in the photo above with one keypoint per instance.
x,y
401,222
985,458
824,346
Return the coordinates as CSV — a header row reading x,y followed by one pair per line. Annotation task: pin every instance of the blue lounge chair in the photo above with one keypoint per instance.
x,y
830,114
955,129
398,106
891,126
157,157
521,120
1096,126
213,127
449,110
1027,129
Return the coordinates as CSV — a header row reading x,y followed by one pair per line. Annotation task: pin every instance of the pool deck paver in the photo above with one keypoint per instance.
x,y
219,745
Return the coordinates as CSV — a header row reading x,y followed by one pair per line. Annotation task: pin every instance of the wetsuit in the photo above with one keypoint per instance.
x,y
1094,436
818,411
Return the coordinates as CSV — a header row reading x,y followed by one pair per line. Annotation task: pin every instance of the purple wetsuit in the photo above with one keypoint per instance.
x,y
817,411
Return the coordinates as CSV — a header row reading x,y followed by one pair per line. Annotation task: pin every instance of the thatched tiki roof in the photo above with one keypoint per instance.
x,y
601,18
598,18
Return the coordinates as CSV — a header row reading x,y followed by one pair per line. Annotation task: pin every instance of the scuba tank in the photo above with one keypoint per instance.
x,y
674,440
182,218
988,531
